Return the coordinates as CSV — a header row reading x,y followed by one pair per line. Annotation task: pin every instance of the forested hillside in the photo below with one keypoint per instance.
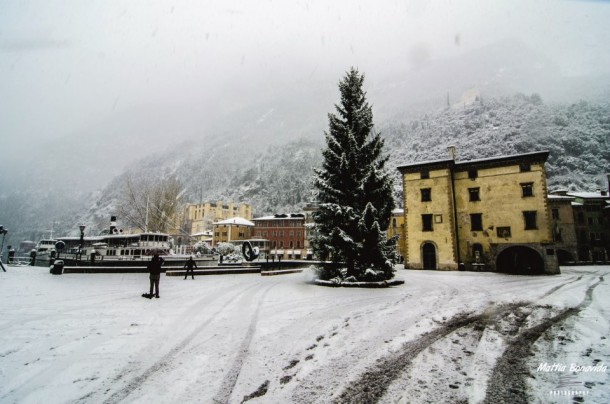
x,y
577,136
278,179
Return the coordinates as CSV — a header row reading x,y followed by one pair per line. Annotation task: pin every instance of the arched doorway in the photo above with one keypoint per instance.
x,y
563,257
520,260
429,256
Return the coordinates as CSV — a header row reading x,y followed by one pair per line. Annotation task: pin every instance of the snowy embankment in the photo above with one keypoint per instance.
x,y
440,337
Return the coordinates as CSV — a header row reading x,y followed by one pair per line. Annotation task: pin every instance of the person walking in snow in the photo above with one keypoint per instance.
x,y
154,268
190,264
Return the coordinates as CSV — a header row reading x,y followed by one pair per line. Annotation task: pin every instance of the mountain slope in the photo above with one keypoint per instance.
x,y
577,136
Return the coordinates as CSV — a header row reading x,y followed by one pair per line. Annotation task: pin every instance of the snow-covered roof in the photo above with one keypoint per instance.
x,y
235,220
560,198
202,233
589,195
281,217
463,164
426,163
509,157
398,211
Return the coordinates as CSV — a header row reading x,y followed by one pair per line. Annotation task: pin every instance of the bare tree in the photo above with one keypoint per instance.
x,y
150,204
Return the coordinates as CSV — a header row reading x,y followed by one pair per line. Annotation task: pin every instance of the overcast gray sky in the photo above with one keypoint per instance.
x,y
65,65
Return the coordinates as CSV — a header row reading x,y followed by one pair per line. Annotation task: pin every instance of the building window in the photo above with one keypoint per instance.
x,y
530,220
472,174
426,222
589,220
474,194
523,167
503,232
555,214
527,189
438,218
581,218
425,175
393,222
426,194
476,222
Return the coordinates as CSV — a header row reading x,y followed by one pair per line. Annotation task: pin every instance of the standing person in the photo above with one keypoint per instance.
x,y
190,264
155,274
11,254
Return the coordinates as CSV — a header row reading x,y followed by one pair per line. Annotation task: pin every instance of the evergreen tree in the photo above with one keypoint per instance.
x,y
353,188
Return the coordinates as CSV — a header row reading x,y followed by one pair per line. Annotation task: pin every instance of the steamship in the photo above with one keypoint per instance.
x,y
114,248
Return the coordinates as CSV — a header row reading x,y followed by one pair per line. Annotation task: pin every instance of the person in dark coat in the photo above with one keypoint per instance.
x,y
155,274
190,264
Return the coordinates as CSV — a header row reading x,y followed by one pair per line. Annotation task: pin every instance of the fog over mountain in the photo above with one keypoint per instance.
x,y
212,92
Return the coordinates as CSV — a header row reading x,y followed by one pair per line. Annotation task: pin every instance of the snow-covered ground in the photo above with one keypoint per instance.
x,y
440,337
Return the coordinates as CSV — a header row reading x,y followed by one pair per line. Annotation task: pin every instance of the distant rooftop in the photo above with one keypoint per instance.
x,y
560,197
236,220
590,195
282,216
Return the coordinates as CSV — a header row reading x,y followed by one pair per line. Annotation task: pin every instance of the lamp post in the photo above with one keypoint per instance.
x,y
82,236
3,231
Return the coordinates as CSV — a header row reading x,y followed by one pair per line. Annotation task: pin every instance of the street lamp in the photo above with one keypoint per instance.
x,y
3,231
82,236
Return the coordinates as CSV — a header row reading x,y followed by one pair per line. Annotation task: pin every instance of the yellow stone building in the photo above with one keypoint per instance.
x,y
234,229
397,228
563,228
487,214
199,218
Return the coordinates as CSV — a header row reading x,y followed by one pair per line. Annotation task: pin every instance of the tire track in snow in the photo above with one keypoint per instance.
x,y
166,360
556,288
230,380
378,378
508,380
372,384
313,384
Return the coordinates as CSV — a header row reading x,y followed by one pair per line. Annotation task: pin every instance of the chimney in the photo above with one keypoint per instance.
x,y
451,150
112,224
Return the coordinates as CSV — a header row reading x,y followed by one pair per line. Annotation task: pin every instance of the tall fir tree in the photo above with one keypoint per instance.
x,y
353,188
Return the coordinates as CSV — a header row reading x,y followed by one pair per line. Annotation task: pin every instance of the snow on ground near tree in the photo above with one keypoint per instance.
x,y
440,337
